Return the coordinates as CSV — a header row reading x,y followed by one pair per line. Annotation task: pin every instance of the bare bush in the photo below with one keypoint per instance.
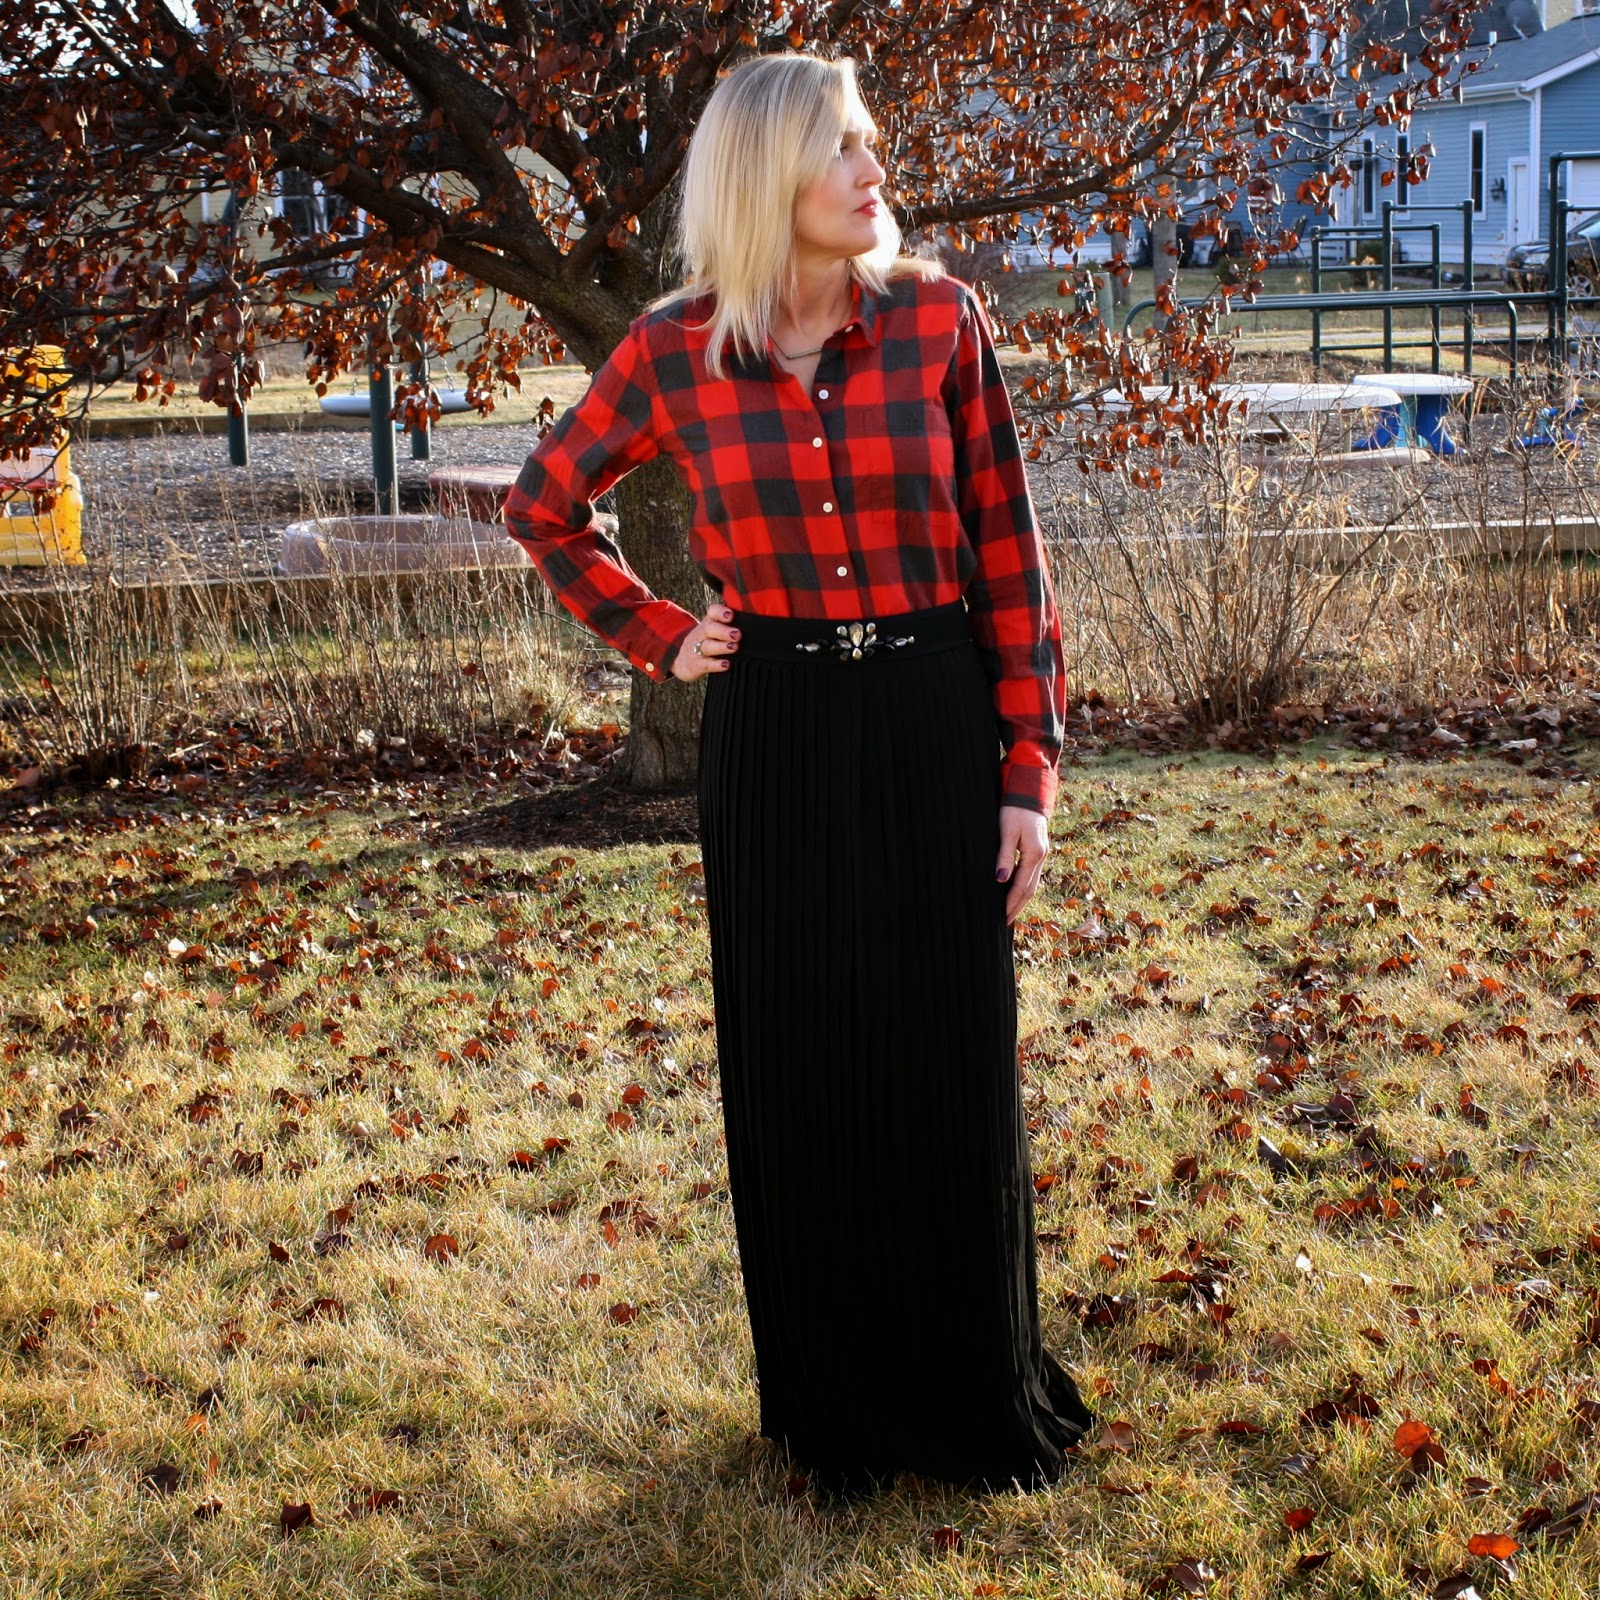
x,y
109,661
1245,577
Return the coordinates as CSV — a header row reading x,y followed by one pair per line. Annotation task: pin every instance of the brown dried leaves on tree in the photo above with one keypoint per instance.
x,y
415,155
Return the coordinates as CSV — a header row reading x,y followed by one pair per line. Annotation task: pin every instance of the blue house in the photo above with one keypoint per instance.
x,y
1530,98
1535,92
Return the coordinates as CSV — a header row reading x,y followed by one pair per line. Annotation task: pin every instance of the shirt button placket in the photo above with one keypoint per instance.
x,y
828,508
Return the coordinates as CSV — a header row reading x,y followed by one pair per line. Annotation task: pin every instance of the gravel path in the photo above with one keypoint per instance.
x,y
172,505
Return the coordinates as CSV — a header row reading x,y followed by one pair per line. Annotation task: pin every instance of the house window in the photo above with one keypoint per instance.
x,y
1402,165
1369,179
1479,138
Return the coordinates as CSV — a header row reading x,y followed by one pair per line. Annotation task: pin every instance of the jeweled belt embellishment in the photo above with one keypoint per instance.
x,y
857,640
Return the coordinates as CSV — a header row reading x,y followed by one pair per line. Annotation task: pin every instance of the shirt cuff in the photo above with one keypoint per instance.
x,y
1031,787
653,644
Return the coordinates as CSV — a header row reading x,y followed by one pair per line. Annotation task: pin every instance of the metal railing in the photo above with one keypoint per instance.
x,y
1466,300
1555,300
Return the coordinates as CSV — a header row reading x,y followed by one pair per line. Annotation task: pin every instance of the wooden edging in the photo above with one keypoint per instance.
x,y
304,599
310,599
1475,541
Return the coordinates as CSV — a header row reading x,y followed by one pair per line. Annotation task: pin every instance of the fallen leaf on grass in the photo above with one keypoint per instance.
x,y
1496,1546
365,1501
1117,1435
1188,1576
1457,1586
293,1517
1416,1442
442,1247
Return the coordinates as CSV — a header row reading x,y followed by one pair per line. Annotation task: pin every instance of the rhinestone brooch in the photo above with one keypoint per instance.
x,y
857,640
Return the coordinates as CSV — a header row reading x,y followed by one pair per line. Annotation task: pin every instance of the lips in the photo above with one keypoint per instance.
x,y
870,209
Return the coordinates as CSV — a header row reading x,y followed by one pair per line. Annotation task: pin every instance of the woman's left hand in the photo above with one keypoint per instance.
x,y
1024,843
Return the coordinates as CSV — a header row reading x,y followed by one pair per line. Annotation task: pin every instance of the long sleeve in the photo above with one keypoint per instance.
x,y
550,511
1010,596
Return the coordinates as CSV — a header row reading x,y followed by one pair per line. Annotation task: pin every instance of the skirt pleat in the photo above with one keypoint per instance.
x,y
866,1018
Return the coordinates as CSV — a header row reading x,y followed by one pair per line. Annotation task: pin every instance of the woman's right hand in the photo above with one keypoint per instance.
x,y
717,638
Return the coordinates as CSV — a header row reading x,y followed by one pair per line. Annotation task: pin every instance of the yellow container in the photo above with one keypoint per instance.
x,y
41,499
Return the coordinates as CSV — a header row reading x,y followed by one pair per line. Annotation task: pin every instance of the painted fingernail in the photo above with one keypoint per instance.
x,y
733,633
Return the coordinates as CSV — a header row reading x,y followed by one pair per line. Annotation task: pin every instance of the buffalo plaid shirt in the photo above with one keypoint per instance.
x,y
896,484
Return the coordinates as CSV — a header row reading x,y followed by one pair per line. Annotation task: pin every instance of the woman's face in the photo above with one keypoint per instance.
x,y
837,215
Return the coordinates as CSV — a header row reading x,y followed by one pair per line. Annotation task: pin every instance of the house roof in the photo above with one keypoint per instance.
x,y
1530,63
1403,23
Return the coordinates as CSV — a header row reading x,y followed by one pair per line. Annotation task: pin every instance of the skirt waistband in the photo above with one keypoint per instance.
x,y
822,639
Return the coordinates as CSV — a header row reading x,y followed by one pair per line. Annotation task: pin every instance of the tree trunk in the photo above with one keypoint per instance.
x,y
663,718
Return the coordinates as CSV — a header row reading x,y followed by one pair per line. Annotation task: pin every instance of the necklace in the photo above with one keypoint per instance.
x,y
800,355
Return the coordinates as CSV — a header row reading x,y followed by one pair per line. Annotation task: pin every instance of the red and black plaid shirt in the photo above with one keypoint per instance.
x,y
896,484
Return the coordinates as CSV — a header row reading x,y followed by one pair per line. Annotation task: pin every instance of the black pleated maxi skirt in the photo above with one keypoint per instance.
x,y
867,1041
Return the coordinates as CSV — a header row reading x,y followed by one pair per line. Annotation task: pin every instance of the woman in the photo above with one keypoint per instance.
x,y
886,628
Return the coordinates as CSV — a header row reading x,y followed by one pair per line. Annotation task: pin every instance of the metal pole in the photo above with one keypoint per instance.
x,y
1438,283
385,469
1561,284
238,427
1467,284
1388,284
238,435
1316,288
421,432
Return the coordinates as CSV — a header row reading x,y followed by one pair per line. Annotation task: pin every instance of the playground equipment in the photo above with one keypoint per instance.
x,y
1554,304
41,499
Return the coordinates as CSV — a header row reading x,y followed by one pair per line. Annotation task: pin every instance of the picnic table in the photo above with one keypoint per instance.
x,y
1285,411
1422,411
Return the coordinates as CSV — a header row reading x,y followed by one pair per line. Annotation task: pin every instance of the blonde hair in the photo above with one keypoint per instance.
x,y
769,129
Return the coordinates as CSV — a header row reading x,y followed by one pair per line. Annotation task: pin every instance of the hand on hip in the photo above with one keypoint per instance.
x,y
707,646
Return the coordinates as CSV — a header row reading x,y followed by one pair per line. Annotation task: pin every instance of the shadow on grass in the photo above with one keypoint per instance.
x,y
596,815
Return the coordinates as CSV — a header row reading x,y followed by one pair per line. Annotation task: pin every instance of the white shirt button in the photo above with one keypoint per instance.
x,y
844,572
649,666
816,444
822,394
827,505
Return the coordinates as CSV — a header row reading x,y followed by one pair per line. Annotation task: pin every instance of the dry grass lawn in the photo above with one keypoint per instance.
x,y
354,1167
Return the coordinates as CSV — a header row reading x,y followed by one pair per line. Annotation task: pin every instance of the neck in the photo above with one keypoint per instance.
x,y
822,295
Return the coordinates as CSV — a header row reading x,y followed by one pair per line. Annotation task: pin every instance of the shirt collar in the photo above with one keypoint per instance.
x,y
864,309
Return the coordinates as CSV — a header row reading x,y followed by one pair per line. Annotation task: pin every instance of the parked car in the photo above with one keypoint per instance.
x,y
1527,266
